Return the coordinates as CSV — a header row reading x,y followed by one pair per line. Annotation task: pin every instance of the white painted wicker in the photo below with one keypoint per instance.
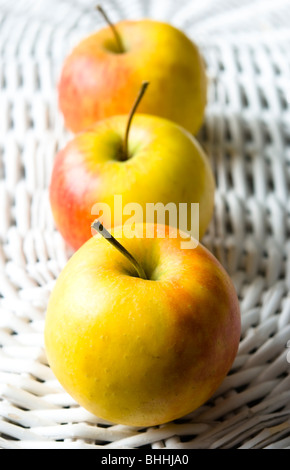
x,y
247,137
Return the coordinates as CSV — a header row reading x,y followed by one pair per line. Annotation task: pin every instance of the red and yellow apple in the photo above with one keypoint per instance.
x,y
142,351
100,79
163,164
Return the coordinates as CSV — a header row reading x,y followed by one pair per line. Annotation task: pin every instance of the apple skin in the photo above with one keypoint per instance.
x,y
166,165
96,82
142,352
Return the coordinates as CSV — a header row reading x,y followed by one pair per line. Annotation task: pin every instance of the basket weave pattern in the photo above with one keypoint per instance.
x,y
246,135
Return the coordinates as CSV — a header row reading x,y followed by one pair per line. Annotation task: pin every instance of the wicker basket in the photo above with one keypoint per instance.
x,y
246,134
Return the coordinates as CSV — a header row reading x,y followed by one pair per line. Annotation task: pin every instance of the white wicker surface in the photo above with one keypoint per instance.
x,y
247,137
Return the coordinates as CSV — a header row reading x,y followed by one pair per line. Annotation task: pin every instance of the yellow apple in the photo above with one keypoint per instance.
x,y
163,164
142,350
100,77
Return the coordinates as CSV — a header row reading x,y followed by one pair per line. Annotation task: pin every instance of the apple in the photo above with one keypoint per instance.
x,y
157,162
102,74
143,346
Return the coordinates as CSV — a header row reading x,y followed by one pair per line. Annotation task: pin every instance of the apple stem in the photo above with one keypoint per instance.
x,y
113,28
132,112
98,226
